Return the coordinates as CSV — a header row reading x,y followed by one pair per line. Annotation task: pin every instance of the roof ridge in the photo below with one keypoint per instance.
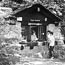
x,y
23,8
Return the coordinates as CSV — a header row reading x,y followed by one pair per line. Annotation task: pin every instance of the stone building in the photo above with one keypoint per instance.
x,y
37,18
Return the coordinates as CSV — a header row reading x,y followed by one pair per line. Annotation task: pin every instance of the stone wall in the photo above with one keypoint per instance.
x,y
10,31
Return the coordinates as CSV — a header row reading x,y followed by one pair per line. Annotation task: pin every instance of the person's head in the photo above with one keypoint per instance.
x,y
49,32
33,32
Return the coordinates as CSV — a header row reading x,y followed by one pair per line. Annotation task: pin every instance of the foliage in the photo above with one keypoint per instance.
x,y
3,57
59,52
7,52
4,60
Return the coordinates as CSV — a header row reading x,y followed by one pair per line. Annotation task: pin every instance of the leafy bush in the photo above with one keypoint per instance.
x,y
7,54
4,59
59,52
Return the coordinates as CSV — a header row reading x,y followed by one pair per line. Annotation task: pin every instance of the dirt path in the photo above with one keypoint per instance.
x,y
35,61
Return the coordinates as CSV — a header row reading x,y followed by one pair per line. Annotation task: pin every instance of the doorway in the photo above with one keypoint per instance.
x,y
35,29
40,32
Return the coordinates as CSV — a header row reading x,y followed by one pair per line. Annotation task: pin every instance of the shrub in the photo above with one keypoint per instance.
x,y
59,52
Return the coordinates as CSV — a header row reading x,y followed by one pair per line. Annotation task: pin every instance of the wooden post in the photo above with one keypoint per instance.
x,y
28,33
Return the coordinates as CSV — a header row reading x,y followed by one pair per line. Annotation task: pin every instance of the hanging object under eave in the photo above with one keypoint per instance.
x,y
37,13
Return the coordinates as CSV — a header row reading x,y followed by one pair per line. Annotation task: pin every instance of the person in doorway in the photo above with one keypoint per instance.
x,y
33,37
51,41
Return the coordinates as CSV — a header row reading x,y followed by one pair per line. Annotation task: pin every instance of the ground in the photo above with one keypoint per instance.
x,y
33,59
27,57
36,61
